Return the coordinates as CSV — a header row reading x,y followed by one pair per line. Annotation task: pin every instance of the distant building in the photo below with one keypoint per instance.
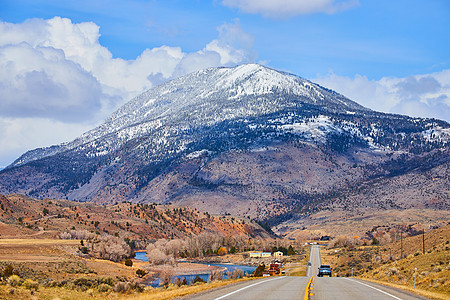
x,y
278,254
260,254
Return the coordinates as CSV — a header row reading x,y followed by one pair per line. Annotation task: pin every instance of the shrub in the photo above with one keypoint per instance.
x,y
107,280
166,277
178,282
8,271
237,273
128,262
104,288
216,275
13,280
222,251
141,273
121,287
198,279
90,292
83,282
31,284
259,270
290,250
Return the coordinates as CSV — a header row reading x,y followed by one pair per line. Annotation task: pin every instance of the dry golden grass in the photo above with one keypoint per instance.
x,y
326,257
433,272
174,291
344,223
155,294
6,242
427,294
373,263
49,293
55,259
297,268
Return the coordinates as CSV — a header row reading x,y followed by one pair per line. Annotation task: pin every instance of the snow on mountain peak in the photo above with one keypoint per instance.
x,y
206,98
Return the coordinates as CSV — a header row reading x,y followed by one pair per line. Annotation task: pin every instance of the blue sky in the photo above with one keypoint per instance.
x,y
374,38
63,73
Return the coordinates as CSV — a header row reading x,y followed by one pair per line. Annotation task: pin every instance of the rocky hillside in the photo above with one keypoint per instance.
x,y
24,217
248,141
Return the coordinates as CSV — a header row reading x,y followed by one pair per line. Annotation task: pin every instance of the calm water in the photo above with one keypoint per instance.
x,y
141,255
190,278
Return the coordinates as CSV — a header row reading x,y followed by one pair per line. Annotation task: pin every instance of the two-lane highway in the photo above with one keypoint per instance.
x,y
351,288
314,261
270,288
292,287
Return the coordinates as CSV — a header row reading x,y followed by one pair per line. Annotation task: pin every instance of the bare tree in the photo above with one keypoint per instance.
x,y
157,257
166,277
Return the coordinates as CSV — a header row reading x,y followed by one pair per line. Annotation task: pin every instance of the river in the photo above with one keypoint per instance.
x,y
228,268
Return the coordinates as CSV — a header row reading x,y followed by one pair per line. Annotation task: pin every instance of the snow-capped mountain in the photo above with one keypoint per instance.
x,y
202,99
244,135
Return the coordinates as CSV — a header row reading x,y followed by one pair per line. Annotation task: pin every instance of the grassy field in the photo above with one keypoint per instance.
x,y
297,268
44,259
52,242
173,291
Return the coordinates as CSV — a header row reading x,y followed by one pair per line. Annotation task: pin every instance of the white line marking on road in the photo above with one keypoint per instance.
x,y
246,287
375,289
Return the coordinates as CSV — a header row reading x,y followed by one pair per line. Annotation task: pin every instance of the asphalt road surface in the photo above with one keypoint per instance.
x,y
270,288
292,287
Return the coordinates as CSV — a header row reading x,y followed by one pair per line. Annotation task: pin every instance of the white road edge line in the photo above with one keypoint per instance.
x,y
246,287
375,289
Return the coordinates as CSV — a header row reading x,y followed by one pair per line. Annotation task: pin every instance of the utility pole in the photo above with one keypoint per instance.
x,y
401,244
423,240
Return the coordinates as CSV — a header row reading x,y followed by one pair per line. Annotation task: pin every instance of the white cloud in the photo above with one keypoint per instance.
x,y
57,72
234,46
40,81
426,95
20,135
289,8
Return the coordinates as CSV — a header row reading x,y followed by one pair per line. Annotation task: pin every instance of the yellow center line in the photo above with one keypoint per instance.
x,y
308,287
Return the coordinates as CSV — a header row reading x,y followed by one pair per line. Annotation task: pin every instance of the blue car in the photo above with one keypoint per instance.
x,y
324,270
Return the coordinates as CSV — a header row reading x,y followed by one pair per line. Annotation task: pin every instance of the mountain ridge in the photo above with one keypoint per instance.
x,y
136,111
247,140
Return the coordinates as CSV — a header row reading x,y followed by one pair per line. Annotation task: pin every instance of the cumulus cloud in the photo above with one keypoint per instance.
x,y
234,46
289,8
58,69
40,81
426,95
56,72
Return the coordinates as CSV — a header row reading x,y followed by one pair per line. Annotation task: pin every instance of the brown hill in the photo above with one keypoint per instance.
x,y
343,223
21,216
